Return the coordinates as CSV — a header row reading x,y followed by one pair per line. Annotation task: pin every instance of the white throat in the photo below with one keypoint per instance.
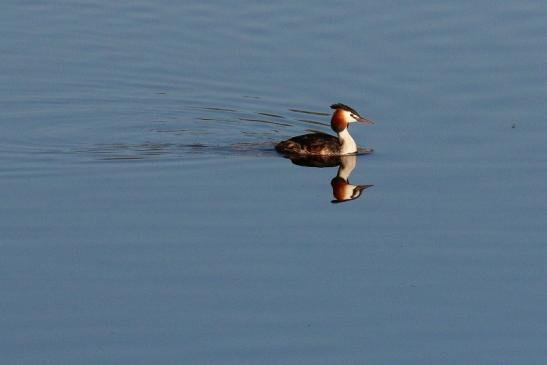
x,y
347,143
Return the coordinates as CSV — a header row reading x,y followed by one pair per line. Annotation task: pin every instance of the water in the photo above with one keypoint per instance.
x,y
147,219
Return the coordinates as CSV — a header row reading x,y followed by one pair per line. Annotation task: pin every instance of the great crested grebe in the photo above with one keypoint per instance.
x,y
325,144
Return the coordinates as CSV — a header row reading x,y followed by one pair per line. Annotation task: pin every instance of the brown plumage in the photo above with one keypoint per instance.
x,y
311,144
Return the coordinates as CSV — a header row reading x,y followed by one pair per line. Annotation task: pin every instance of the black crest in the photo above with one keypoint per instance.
x,y
344,107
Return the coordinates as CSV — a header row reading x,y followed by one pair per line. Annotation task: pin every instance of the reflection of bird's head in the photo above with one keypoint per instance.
x,y
343,191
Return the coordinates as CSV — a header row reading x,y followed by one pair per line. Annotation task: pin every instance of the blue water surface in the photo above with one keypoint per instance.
x,y
146,218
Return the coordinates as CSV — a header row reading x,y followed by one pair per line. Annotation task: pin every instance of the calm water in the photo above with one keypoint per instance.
x,y
146,219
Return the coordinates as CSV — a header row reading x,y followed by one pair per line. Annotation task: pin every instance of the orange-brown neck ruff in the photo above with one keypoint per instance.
x,y
338,121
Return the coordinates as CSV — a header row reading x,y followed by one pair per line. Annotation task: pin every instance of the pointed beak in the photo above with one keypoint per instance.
x,y
361,119
363,187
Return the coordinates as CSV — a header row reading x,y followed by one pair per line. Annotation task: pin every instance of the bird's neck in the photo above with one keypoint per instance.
x,y
347,143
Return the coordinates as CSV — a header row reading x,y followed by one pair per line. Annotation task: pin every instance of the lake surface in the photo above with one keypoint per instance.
x,y
146,218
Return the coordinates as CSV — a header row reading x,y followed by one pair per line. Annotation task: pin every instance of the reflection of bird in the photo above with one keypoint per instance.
x,y
325,144
342,190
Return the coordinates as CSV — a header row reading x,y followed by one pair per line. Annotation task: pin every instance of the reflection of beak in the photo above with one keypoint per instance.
x,y
358,190
361,119
362,187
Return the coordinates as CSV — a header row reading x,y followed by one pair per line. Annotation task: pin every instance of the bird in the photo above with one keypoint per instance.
x,y
324,144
